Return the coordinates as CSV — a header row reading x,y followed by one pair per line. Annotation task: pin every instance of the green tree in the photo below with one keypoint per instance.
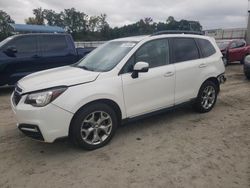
x,y
75,21
38,19
53,18
5,19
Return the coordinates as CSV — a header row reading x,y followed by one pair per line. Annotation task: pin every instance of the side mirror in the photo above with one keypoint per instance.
x,y
11,49
247,60
139,67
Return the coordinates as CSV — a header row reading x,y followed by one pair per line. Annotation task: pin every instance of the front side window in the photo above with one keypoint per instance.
x,y
107,56
155,53
185,49
233,45
222,44
27,44
206,47
240,43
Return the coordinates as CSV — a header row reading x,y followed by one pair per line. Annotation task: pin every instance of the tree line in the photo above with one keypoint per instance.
x,y
85,28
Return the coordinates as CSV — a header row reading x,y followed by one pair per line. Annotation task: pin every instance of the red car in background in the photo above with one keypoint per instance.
x,y
233,50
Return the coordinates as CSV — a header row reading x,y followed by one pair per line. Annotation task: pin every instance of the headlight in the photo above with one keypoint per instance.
x,y
40,99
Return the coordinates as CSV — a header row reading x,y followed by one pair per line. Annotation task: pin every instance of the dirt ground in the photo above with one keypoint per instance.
x,y
175,149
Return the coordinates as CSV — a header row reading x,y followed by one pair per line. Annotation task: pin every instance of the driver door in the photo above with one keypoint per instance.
x,y
154,89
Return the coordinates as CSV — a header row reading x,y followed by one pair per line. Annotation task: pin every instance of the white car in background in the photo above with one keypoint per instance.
x,y
123,79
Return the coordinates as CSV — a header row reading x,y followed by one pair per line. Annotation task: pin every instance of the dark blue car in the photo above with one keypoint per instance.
x,y
21,55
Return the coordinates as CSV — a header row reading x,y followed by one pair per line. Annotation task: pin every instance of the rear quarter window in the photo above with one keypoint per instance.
x,y
207,49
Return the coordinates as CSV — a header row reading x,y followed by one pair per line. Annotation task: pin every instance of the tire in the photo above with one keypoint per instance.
x,y
200,104
93,126
247,76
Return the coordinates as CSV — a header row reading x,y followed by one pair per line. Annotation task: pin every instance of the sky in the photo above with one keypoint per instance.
x,y
211,14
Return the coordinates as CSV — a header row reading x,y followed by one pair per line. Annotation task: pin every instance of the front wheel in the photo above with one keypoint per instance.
x,y
247,76
93,126
206,98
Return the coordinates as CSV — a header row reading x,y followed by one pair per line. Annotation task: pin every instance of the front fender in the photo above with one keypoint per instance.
x,y
77,96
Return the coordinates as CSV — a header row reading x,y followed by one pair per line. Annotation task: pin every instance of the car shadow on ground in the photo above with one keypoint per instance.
x,y
62,146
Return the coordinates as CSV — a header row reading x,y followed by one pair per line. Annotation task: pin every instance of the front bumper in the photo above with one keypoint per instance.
x,y
41,123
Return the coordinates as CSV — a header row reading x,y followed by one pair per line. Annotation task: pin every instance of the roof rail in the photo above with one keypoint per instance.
x,y
178,32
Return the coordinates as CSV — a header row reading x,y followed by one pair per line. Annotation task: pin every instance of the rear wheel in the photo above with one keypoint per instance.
x,y
207,97
94,126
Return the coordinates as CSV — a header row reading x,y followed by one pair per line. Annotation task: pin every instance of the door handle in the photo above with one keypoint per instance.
x,y
35,56
202,65
168,74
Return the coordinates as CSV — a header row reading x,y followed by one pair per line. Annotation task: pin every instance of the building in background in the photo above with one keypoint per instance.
x,y
234,33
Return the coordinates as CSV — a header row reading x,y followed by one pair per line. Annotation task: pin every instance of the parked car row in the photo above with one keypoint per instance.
x,y
233,50
21,55
124,79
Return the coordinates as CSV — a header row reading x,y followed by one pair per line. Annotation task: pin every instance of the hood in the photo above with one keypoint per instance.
x,y
63,76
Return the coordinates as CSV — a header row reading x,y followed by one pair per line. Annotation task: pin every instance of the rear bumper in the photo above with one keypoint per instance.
x,y
222,78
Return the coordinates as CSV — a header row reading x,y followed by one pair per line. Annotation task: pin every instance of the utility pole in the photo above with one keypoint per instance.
x,y
248,25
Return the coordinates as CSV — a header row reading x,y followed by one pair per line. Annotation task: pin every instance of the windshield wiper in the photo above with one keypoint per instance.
x,y
85,68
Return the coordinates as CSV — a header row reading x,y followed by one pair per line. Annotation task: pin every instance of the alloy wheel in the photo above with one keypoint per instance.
x,y
208,97
96,127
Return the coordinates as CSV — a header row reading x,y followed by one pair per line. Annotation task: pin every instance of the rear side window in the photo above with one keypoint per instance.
x,y
53,43
185,49
207,49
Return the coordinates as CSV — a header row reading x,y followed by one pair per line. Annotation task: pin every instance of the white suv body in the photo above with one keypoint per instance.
x,y
151,73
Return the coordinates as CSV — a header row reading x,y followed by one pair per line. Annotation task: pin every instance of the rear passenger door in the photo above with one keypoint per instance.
x,y
188,66
56,51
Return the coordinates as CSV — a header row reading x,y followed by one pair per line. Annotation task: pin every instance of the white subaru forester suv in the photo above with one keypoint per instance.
x,y
123,79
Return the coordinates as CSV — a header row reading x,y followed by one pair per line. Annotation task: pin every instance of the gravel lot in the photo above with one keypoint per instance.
x,y
174,149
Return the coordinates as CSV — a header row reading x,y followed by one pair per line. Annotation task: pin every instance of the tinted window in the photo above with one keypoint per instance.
x,y
54,43
206,47
27,44
155,53
240,43
185,49
233,45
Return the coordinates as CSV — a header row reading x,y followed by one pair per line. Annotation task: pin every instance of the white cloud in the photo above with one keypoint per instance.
x,y
210,13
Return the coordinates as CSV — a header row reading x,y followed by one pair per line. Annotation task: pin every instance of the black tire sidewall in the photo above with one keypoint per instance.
x,y
198,107
75,133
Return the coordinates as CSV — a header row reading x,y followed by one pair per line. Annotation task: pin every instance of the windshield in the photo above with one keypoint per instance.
x,y
5,41
107,56
223,44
